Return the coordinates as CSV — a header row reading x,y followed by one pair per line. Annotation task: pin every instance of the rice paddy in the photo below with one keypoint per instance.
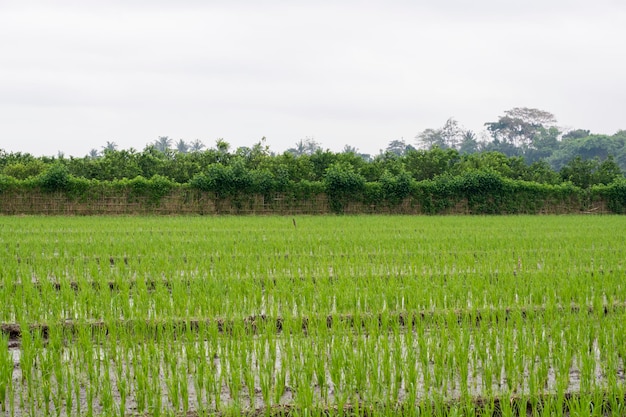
x,y
348,315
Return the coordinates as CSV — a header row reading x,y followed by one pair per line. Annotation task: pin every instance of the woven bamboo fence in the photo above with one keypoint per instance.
x,y
191,202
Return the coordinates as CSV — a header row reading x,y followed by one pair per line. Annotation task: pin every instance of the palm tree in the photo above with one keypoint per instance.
x,y
196,146
93,153
469,144
299,149
182,146
163,144
307,146
110,146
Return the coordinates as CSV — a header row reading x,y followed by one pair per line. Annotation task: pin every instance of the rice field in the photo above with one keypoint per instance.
x,y
363,315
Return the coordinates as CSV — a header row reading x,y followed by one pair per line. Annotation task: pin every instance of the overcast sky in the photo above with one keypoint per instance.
x,y
76,74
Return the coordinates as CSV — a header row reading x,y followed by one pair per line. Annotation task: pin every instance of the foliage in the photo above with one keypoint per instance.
x,y
306,146
55,178
229,180
451,135
8,183
614,194
342,184
154,188
519,126
585,173
395,188
504,177
22,170
424,165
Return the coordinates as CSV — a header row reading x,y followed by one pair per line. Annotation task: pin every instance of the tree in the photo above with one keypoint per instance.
x,y
255,155
589,147
307,146
544,143
429,138
469,143
427,164
196,146
398,147
110,146
342,183
520,125
182,146
576,134
587,172
222,146
163,144
347,149
93,153
451,135
608,171
579,171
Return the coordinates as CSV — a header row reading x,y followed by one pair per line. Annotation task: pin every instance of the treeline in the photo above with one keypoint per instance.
x,y
526,164
436,179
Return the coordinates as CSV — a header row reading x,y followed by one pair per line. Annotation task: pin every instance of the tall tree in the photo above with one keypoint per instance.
x,y
196,146
398,147
222,146
469,143
110,146
163,144
451,135
182,146
307,146
429,138
520,125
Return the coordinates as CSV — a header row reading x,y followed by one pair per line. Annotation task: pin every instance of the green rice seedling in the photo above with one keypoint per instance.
x,y
29,351
580,405
155,396
52,364
248,371
398,365
122,367
265,368
106,393
234,377
171,373
6,372
141,376
280,384
67,389
301,378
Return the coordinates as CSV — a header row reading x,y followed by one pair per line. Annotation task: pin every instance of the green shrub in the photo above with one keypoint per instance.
x,y
155,188
343,184
8,183
56,178
395,188
614,194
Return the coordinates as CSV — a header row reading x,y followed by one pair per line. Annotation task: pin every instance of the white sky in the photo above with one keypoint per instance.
x,y
76,74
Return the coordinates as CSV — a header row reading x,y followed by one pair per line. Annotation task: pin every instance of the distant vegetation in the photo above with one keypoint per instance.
x,y
525,151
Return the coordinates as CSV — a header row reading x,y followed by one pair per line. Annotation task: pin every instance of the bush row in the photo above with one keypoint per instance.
x,y
484,192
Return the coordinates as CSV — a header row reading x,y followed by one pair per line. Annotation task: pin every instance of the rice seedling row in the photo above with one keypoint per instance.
x,y
359,315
